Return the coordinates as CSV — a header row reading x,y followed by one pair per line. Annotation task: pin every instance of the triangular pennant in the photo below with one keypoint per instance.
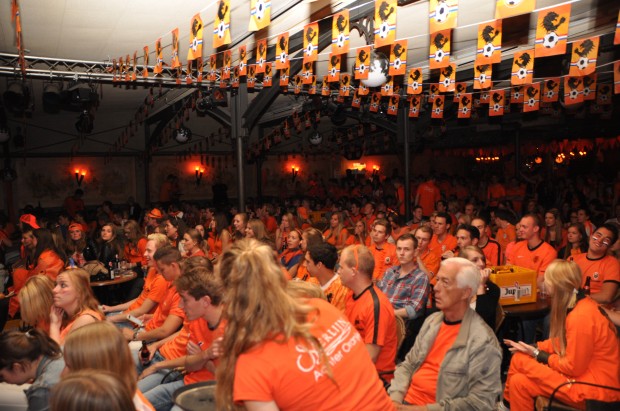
x,y
282,60
414,80
243,61
175,62
509,8
551,90
260,14
583,57
447,76
442,14
465,105
340,32
194,52
261,55
532,97
362,63
573,90
552,31
439,53
221,24
398,58
311,42
496,106
385,22
489,43
522,67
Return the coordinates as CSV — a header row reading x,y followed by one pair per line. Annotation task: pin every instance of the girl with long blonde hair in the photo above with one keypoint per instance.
x,y
36,299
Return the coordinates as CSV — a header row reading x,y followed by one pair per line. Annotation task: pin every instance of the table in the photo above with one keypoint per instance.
x,y
123,278
107,291
528,311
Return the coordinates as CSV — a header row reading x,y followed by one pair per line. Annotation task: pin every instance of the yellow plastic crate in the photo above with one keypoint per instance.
x,y
517,284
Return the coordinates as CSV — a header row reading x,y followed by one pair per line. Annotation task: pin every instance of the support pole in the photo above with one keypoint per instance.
x,y
239,103
403,129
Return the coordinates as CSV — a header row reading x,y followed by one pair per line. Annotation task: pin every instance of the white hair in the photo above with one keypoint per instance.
x,y
468,275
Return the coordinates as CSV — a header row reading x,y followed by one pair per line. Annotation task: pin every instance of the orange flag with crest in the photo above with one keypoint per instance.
x,y
385,22
414,81
260,14
447,77
584,56
311,42
340,32
145,63
243,60
333,68
489,48
465,105
175,62
522,67
482,76
438,106
442,14
532,98
496,106
398,58
551,90
221,24
589,87
573,90
552,31
282,60
439,54
159,57
393,105
414,106
195,39
362,63
261,55
509,8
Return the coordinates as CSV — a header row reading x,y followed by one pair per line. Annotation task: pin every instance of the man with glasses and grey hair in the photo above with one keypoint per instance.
x,y
455,361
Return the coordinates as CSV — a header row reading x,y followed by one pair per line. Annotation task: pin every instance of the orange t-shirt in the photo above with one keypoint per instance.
x,y
428,195
136,254
536,259
177,347
155,287
505,236
495,192
423,387
271,224
337,241
204,336
169,306
431,261
334,291
372,315
493,253
449,243
48,264
64,332
384,259
600,270
291,374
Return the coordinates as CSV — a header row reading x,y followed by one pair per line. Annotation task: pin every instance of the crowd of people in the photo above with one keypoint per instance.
x,y
327,302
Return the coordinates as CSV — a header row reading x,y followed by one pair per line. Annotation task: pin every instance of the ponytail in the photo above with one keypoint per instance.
x,y
18,346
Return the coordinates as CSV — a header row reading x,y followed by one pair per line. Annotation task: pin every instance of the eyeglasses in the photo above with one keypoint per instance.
x,y
606,241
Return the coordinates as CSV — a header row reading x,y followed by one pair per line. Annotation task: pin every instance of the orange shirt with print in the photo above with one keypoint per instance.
x,y
135,254
431,262
284,372
440,247
334,291
169,306
155,286
505,236
203,336
384,259
428,195
600,270
536,259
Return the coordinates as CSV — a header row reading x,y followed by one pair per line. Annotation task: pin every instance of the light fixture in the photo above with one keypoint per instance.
x,y
199,172
375,171
182,134
79,176
85,122
16,97
294,172
204,104
52,97
81,94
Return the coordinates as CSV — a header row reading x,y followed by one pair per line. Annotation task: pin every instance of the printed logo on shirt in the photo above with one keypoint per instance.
x,y
596,275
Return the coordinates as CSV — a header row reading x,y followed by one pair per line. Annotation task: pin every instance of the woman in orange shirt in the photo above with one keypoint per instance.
x,y
336,234
219,238
193,244
288,223
135,246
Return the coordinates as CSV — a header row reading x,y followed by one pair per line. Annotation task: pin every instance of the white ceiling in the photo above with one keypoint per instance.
x,y
102,30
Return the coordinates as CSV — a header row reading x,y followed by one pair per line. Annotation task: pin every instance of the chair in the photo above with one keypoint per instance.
x,y
500,316
548,404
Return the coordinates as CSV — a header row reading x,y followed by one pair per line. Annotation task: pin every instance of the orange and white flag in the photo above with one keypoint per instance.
x,y
251,79
496,106
589,87
333,68
573,90
516,94
465,103
617,77
362,63
261,55
159,57
387,89
325,89
175,62
356,102
583,57
212,67
447,78
260,14
134,66
617,35
393,105
375,102
311,42
489,48
531,101
385,22
552,31
282,60
551,90
482,76
438,106
414,105
522,67
235,81
145,62
414,81
226,65
199,69
221,24
195,39
509,8
603,93
398,58
439,53
442,14
312,88
307,70
459,89
363,90
485,97
345,85
340,32
243,61
297,85
268,76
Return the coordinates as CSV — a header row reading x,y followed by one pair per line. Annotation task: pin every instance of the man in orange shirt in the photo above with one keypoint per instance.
x,y
442,240
427,195
427,260
495,192
368,212
506,233
201,299
265,213
491,248
455,362
383,252
321,258
603,269
368,309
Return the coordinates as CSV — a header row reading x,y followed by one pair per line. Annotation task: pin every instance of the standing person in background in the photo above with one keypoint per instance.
x,y
169,192
506,231
74,203
427,195
495,192
583,216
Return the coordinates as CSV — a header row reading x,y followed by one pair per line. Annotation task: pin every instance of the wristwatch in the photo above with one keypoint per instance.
x,y
535,352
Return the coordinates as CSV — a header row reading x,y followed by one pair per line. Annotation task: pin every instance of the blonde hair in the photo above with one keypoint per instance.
x,y
159,239
564,277
80,280
258,309
36,299
360,257
92,391
303,289
101,346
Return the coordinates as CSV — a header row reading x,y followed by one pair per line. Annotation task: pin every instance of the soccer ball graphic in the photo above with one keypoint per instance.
x,y
487,50
384,30
260,9
573,94
465,110
439,54
482,78
531,102
550,94
221,29
441,13
582,63
309,49
282,57
550,40
446,82
340,41
397,63
496,107
522,73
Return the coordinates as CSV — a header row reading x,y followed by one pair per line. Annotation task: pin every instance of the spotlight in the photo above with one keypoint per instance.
x,y
204,104
80,94
17,97
84,124
183,135
52,97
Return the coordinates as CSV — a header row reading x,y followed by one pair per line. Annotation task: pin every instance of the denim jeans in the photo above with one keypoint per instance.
x,y
162,395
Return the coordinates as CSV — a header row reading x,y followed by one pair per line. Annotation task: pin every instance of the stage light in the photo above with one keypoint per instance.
x,y
52,97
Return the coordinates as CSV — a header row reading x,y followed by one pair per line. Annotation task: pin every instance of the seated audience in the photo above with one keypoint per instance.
x,y
109,245
193,244
576,241
293,255
135,244
321,259
79,247
36,300
487,296
92,391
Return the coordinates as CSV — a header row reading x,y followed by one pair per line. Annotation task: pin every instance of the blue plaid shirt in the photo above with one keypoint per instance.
x,y
409,292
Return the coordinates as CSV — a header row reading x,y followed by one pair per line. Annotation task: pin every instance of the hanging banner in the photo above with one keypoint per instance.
x,y
482,76
297,84
442,14
438,105
251,79
268,77
243,61
398,58
387,89
261,55
552,31
284,76
617,35
325,90
221,24
465,106
226,64
583,57
439,53
362,63
282,59
159,53
414,106
340,32
145,62
496,106
260,14
459,89
509,8
312,88
345,85
414,80
194,52
489,48
532,98
307,70
363,90
447,78
617,77
175,63
551,90
573,90
311,42
393,105
235,81
385,22
333,68
357,100
603,94
589,87
522,67
213,67
375,102
516,95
